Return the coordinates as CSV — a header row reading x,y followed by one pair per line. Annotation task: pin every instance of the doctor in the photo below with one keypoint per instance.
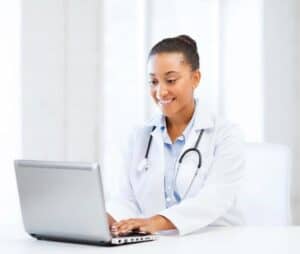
x,y
184,168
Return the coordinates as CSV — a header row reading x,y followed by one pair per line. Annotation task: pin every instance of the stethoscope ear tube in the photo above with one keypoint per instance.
x,y
192,150
149,143
196,171
199,138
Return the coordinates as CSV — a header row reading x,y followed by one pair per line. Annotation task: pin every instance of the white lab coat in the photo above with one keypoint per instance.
x,y
212,199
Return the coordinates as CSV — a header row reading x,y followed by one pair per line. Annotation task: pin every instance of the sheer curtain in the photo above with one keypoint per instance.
x,y
229,38
10,107
84,64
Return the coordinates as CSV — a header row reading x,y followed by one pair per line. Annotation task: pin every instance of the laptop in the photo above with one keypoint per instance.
x,y
64,201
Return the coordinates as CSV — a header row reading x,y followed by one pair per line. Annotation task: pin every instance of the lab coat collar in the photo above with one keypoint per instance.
x,y
203,118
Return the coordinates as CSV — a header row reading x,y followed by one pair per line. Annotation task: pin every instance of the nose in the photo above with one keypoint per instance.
x,y
161,91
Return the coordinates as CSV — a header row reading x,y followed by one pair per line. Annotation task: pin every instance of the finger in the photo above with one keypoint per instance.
x,y
117,226
125,226
123,222
118,223
120,229
145,229
130,226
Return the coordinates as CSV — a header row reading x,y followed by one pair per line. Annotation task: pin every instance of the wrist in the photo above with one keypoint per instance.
x,y
162,223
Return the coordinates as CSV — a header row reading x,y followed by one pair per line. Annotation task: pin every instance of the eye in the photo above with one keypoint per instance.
x,y
153,82
171,81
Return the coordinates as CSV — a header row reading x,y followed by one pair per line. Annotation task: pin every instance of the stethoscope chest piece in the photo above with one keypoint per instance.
x,y
143,166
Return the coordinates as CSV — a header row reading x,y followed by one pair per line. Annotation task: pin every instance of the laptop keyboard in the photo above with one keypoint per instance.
x,y
133,237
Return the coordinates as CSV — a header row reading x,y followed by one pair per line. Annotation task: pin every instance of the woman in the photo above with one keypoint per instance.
x,y
155,194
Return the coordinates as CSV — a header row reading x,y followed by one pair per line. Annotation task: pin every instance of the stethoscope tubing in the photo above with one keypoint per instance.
x,y
193,149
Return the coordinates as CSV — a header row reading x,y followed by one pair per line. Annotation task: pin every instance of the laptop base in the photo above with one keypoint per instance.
x,y
114,241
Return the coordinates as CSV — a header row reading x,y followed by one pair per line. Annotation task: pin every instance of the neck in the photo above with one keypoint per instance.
x,y
181,120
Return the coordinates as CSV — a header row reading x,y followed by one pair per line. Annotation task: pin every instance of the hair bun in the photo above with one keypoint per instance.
x,y
180,44
188,40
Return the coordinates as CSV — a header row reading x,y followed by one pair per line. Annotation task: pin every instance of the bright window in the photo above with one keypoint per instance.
x,y
10,105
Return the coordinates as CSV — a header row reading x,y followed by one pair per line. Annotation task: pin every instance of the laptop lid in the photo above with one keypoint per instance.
x,y
62,200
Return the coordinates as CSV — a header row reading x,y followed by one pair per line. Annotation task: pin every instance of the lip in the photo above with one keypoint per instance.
x,y
166,102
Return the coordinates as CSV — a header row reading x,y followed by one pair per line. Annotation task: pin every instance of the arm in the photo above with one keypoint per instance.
x,y
212,201
122,204
219,192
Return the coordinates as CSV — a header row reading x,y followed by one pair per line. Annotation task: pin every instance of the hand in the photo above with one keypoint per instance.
x,y
111,220
147,225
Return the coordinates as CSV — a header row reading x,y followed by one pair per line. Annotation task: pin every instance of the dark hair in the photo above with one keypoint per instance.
x,y
182,44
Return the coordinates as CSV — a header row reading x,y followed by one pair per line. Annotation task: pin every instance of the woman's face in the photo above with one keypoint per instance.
x,y
172,83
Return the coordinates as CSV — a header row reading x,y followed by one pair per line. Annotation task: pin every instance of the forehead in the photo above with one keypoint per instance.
x,y
164,63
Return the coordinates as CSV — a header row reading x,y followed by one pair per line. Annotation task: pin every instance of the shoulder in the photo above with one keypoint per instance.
x,y
227,128
144,128
229,137
220,128
147,125
213,122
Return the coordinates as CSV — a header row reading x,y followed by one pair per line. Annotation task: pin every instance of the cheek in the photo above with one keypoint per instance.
x,y
153,93
185,90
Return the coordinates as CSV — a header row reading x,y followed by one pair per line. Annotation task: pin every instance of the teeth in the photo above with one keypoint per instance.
x,y
165,101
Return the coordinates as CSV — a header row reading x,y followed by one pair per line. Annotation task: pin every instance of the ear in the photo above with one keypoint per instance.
x,y
196,78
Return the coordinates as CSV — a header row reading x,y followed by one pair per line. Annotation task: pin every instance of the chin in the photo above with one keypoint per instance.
x,y
168,112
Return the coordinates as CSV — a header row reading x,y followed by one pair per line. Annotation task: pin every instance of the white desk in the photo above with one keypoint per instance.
x,y
241,240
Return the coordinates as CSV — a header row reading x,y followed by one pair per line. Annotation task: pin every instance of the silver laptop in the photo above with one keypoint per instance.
x,y
63,201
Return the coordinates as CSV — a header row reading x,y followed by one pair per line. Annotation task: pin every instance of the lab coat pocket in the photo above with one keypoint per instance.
x,y
139,178
148,190
188,177
141,181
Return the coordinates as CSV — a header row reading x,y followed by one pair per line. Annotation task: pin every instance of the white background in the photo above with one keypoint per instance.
x,y
72,76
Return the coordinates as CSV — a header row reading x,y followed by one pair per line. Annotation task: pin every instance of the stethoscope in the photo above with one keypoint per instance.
x,y
144,165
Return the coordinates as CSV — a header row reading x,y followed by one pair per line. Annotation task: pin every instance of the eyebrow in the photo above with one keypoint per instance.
x,y
167,73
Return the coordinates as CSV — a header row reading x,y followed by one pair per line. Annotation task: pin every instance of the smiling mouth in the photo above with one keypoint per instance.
x,y
165,102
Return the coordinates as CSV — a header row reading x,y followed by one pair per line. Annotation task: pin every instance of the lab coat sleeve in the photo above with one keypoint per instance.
x,y
220,188
122,204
